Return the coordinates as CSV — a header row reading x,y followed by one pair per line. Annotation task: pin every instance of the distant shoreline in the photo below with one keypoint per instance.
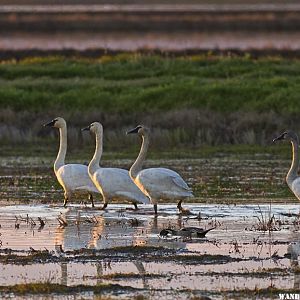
x,y
146,17
99,52
149,7
87,29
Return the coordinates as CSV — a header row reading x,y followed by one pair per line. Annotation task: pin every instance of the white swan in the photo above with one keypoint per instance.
x,y
292,178
113,183
74,178
157,183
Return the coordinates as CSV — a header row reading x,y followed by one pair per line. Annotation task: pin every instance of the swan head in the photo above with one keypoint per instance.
x,y
140,130
93,127
57,123
287,135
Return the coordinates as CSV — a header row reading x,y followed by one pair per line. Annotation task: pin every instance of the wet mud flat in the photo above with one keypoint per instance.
x,y
51,252
219,179
119,253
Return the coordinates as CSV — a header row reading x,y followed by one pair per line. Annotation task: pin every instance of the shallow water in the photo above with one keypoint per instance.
x,y
235,256
236,235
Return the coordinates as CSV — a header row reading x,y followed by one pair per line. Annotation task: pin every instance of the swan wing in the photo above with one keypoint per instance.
x,y
180,183
75,177
116,183
163,176
162,183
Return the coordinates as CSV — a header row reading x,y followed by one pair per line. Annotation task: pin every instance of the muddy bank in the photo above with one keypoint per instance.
x,y
226,179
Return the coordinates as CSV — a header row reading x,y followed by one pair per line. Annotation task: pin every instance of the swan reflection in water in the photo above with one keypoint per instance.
x,y
101,233
106,232
293,251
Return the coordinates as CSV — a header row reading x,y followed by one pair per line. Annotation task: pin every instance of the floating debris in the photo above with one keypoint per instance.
x,y
33,250
92,220
134,222
32,222
42,222
17,223
62,221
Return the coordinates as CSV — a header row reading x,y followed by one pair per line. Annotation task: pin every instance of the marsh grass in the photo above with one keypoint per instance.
x,y
190,128
128,82
44,288
188,101
265,222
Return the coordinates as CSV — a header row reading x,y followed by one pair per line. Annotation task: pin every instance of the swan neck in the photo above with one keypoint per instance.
x,y
60,159
138,164
94,164
292,174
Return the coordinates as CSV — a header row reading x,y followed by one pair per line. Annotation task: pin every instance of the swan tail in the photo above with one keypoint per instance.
x,y
181,183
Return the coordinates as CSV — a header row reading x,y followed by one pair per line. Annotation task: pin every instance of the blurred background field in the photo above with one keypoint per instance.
x,y
215,80
94,27
203,74
190,101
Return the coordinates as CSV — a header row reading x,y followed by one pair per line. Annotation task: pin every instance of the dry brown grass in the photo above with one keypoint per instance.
x,y
173,129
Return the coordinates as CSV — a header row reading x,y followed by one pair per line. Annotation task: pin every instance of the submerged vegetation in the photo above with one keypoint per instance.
x,y
188,101
50,288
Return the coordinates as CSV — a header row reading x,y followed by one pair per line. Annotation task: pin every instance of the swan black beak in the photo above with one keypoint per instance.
x,y
86,128
50,124
281,137
134,130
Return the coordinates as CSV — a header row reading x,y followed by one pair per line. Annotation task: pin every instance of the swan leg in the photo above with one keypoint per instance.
x,y
91,198
179,206
104,206
155,209
184,211
66,198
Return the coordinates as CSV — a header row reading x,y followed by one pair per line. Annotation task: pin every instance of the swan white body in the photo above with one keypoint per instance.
x,y
113,183
292,178
74,178
162,183
295,187
157,183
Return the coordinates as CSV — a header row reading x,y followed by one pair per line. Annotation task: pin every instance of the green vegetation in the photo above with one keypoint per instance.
x,y
130,83
189,101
